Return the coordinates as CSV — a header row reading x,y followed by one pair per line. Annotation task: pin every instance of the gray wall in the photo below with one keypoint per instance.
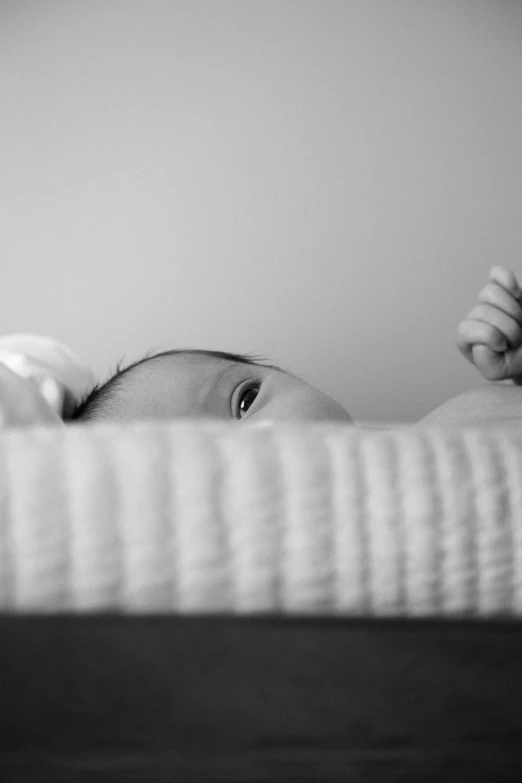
x,y
326,183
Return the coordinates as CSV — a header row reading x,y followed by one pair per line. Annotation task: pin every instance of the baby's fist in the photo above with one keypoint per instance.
x,y
490,336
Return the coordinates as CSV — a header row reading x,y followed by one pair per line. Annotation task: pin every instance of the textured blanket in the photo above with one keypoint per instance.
x,y
195,516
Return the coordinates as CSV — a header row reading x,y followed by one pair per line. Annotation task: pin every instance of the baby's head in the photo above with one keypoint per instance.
x,y
206,384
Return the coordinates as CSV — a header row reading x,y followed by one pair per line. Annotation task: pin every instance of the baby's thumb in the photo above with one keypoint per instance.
x,y
492,365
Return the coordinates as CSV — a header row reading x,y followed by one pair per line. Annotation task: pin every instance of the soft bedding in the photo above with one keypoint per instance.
x,y
195,516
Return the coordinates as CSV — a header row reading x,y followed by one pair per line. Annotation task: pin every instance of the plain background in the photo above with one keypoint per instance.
x,y
326,183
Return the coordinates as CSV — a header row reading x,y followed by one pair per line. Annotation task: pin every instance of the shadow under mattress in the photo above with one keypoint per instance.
x,y
111,697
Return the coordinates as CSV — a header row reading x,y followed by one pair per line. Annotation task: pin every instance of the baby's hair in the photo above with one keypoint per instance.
x,y
101,396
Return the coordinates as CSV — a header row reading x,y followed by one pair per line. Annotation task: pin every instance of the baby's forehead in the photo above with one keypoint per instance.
x,y
166,383
182,363
166,374
200,366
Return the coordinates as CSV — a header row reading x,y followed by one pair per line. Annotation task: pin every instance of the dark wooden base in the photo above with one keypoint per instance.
x,y
175,698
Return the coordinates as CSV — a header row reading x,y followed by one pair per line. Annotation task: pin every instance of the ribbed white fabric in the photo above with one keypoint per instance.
x,y
199,516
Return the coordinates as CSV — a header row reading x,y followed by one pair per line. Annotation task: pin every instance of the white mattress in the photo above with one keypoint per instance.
x,y
195,516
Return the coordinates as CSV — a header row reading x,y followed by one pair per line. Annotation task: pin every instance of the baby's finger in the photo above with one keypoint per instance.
x,y
495,295
505,278
470,333
492,365
505,324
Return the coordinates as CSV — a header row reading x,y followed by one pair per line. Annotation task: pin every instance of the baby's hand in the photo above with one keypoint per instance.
x,y
490,337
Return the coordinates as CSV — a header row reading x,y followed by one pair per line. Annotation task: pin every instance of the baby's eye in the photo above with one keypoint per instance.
x,y
245,398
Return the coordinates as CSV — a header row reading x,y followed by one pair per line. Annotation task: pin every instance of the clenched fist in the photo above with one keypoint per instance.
x,y
490,336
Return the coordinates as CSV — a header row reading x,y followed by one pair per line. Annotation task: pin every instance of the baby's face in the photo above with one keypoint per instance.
x,y
199,386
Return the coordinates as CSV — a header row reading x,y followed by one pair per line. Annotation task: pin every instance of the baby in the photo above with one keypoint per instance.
x,y
229,386
212,384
